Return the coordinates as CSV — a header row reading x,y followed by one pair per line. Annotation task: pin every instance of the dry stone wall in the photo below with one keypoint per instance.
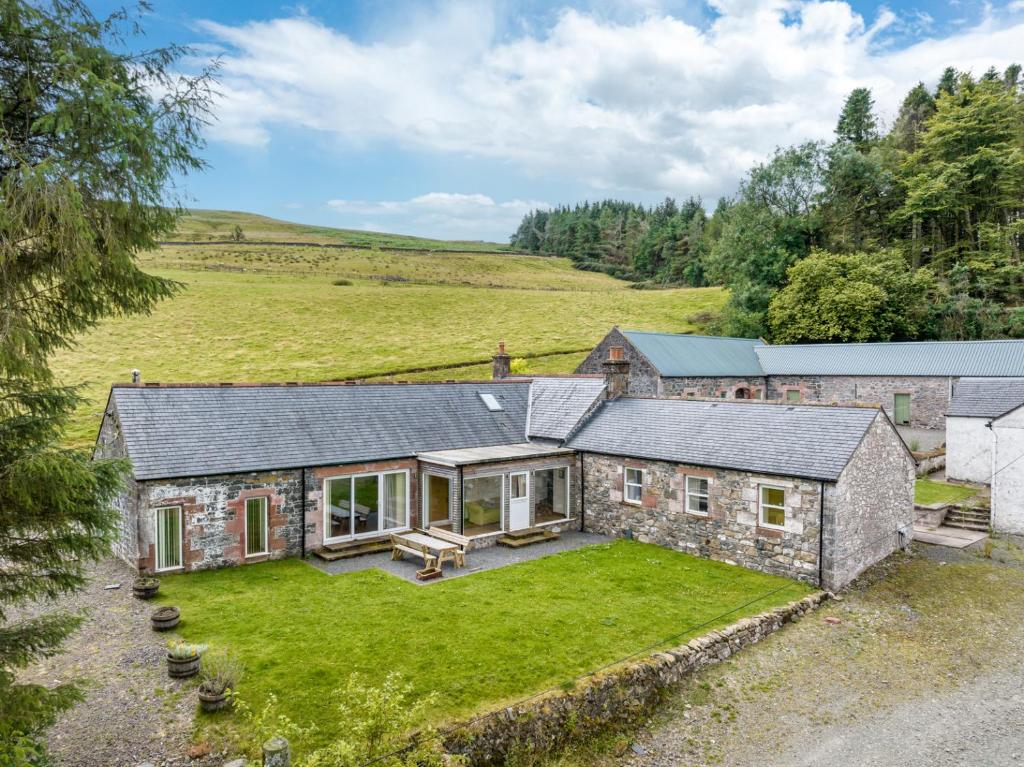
x,y
620,696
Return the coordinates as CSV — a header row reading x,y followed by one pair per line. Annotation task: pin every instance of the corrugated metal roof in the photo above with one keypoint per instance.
x,y
183,431
557,404
676,355
781,440
909,358
986,397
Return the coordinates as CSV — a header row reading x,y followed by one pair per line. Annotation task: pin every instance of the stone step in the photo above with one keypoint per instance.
x,y
519,541
979,515
336,551
981,527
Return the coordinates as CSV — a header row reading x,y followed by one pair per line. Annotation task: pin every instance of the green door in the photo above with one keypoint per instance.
x,y
901,407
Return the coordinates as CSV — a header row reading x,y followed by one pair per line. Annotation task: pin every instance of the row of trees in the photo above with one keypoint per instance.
x,y
927,217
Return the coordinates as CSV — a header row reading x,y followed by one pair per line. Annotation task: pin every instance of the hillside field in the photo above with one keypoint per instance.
x,y
401,313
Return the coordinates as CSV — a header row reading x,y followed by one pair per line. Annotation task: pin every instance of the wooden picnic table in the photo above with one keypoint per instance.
x,y
444,549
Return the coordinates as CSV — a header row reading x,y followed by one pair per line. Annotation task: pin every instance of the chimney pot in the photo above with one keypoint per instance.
x,y
136,376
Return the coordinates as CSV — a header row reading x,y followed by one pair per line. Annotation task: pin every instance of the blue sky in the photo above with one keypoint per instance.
x,y
451,119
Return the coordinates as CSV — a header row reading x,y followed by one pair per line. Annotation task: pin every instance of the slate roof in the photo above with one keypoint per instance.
x,y
676,355
781,440
986,397
558,404
908,358
183,431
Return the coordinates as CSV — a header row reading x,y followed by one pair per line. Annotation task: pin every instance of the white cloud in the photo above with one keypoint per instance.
x,y
653,104
440,214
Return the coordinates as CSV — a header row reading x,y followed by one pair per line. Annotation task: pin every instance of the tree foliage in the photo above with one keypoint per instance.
x,y
90,139
851,297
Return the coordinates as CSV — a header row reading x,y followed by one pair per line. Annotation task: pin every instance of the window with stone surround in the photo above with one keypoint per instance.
x,y
633,485
697,495
255,526
792,395
773,506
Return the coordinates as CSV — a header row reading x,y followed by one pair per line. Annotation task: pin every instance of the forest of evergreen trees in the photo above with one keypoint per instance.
x,y
911,232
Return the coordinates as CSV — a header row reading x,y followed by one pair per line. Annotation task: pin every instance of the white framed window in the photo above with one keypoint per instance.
x,y
169,538
256,526
633,485
697,495
360,505
773,506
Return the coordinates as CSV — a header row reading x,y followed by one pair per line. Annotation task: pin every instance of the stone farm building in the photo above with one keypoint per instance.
x,y
235,474
912,381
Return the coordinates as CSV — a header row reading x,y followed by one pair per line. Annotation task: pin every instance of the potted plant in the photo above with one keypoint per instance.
x,y
165,618
219,674
183,659
145,587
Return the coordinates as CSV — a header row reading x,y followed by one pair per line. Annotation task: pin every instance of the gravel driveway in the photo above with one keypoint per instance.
x,y
133,713
925,666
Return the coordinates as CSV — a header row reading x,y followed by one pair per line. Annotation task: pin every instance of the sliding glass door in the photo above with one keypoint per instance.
x,y
365,504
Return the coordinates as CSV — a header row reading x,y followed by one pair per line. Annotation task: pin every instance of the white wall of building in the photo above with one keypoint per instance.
x,y
1008,473
968,449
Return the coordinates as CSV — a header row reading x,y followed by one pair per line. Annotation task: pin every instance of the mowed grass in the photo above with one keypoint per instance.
x,y
228,326
927,491
478,641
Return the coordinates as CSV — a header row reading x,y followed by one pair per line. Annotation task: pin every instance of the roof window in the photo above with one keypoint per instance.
x,y
491,401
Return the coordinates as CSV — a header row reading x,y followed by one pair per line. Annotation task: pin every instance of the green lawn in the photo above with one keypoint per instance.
x,y
229,326
478,641
927,492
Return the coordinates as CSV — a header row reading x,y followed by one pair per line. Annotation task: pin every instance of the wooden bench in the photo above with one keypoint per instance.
x,y
400,546
450,537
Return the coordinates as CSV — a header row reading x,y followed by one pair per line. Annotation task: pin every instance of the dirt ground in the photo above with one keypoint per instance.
x,y
133,713
920,663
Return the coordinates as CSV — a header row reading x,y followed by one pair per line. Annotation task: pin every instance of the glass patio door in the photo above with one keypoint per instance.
x,y
365,504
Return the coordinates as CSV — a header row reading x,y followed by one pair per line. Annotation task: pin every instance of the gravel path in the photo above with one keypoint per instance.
x,y
133,713
921,664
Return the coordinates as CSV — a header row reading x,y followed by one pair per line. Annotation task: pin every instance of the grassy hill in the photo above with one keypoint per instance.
x,y
276,313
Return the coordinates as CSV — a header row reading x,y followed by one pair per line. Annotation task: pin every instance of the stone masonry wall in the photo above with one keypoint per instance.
x,y
214,517
730,532
929,395
694,386
643,377
869,512
621,696
110,444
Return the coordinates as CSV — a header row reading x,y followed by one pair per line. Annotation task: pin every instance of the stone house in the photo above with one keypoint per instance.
x,y
237,474
811,492
912,381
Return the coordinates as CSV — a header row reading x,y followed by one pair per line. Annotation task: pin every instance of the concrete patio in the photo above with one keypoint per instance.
x,y
954,537
477,560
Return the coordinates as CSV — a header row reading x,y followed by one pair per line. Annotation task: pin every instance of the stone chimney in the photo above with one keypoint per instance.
x,y
500,363
136,376
616,373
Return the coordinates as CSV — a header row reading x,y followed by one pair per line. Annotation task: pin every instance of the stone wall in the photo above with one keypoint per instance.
x,y
694,386
643,377
213,510
869,511
929,395
730,532
622,696
110,444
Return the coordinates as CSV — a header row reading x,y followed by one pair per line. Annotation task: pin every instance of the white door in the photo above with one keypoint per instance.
x,y
519,501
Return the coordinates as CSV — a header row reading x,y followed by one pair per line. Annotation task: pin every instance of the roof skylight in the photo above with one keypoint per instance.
x,y
491,401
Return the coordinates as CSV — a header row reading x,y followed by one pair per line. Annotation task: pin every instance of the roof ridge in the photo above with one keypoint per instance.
x,y
848,344
714,402
694,335
309,384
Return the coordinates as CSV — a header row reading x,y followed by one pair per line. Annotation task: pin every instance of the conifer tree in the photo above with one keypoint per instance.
x,y
90,138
